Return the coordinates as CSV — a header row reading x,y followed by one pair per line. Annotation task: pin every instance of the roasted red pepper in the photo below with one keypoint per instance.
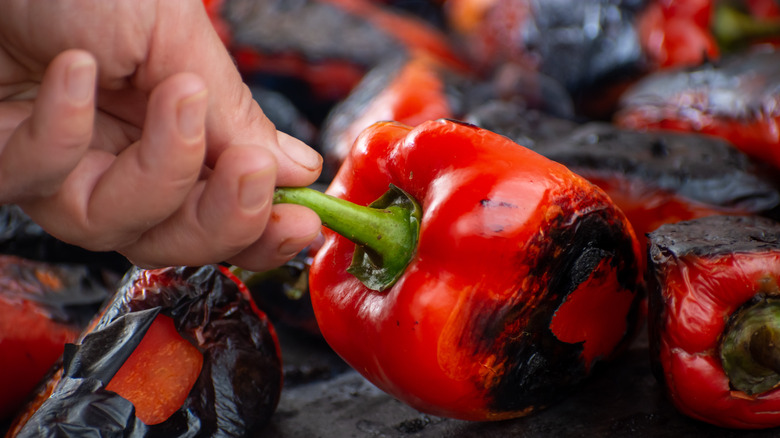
x,y
177,352
737,98
677,33
486,283
664,177
714,322
327,44
43,306
415,89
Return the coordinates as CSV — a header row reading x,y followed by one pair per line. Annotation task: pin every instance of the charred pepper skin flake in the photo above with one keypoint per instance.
x,y
705,276
509,244
238,387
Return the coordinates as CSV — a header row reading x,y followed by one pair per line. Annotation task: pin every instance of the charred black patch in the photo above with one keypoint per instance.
x,y
545,368
489,203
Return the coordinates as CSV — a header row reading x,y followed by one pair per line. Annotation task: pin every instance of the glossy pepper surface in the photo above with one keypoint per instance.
x,y
715,318
177,352
524,275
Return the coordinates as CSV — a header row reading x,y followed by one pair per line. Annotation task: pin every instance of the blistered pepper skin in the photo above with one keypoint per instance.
x,y
703,274
525,275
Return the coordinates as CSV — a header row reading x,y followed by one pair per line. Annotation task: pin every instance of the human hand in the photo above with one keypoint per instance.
x,y
167,160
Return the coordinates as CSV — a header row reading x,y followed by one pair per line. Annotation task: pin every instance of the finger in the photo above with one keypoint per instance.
x,y
235,117
223,215
300,166
110,202
47,146
290,229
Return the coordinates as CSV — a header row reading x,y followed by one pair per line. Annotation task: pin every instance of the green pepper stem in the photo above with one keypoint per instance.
x,y
385,231
765,347
734,28
749,348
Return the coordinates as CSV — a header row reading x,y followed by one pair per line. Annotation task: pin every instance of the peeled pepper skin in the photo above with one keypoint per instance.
x,y
525,277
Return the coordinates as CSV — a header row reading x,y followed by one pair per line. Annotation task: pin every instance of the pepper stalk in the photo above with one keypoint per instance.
x,y
750,347
385,232
734,28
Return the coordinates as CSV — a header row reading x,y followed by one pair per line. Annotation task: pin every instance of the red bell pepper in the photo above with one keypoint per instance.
x,y
177,352
677,33
736,98
484,285
661,177
590,47
715,318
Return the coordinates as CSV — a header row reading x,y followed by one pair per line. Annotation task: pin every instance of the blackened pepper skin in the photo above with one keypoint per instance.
x,y
736,97
234,395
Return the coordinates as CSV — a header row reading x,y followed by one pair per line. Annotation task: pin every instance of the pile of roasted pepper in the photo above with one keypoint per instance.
x,y
514,191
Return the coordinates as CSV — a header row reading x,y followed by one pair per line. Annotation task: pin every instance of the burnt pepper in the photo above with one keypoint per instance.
x,y
483,285
178,351
714,318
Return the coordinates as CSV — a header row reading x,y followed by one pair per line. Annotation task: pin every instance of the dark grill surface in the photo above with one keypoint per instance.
x,y
323,398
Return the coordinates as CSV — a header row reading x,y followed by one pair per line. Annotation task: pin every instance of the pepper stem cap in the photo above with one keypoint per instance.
x,y
385,232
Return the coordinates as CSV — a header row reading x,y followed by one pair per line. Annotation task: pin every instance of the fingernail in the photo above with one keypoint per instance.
x,y
292,246
80,80
191,114
255,190
299,152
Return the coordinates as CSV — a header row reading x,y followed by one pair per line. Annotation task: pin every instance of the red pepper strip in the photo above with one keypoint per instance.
x,y
707,272
415,35
30,343
159,374
507,238
677,33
